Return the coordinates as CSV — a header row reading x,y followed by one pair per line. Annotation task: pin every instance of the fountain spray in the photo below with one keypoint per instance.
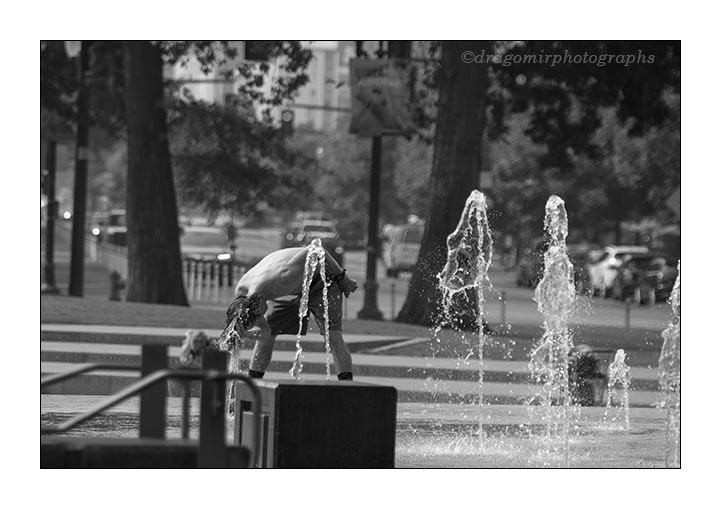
x,y
669,365
315,257
230,341
618,389
469,256
555,297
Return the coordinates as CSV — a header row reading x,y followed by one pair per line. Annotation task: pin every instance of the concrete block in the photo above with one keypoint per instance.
x,y
320,424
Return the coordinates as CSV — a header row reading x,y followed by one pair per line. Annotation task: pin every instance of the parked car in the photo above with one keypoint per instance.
x,y
630,273
110,227
302,233
581,254
658,280
353,233
401,247
530,265
602,273
205,243
311,216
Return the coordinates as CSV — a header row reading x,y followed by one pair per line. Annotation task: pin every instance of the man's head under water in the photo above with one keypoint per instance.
x,y
246,310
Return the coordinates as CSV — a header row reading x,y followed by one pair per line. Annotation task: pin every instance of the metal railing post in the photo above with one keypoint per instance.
x,y
191,281
152,399
211,453
216,282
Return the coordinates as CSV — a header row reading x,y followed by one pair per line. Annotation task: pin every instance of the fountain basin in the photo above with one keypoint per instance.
x,y
515,436
441,435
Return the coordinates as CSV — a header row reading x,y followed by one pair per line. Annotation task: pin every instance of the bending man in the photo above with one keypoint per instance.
x,y
268,300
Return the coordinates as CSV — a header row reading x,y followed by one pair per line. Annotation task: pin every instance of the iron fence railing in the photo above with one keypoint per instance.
x,y
207,376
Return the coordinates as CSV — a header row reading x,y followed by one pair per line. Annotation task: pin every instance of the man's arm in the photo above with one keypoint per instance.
x,y
347,284
333,270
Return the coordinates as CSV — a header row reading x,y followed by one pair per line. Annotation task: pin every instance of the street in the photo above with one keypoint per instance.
x,y
519,306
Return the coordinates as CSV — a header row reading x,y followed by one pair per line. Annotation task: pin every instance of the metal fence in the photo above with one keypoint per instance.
x,y
211,281
204,281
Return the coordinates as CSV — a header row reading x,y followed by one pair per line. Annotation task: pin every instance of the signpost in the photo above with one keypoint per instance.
x,y
380,106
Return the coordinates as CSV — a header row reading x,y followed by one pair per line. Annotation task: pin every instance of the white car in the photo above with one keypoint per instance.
x,y
401,247
602,273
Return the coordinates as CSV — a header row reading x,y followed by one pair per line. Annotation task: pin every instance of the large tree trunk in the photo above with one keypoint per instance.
x,y
154,264
455,170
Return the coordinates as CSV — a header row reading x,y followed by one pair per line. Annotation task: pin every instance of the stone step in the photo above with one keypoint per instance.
x,y
63,347
129,335
316,362
107,382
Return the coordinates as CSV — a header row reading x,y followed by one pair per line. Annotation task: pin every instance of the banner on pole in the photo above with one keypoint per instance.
x,y
380,92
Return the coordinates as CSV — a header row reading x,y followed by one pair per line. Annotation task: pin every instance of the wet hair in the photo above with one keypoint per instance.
x,y
246,309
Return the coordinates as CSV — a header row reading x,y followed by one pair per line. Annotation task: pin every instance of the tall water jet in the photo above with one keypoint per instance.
x,y
555,297
669,366
315,258
230,341
468,259
618,391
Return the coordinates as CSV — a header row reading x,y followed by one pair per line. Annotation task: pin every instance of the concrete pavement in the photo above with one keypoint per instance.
x,y
417,379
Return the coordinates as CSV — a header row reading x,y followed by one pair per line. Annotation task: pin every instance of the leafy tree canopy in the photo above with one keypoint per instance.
x,y
225,159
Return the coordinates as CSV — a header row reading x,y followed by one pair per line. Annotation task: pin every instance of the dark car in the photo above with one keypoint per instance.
x,y
110,227
353,234
658,281
302,233
530,265
580,256
630,274
208,249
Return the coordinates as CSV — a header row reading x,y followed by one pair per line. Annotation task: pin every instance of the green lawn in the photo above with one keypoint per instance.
x,y
72,310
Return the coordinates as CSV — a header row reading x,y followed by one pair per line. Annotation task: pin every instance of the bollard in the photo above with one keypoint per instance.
x,y
503,306
392,300
117,283
627,314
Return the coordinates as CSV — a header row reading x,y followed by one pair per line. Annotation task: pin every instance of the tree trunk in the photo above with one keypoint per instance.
x,y
455,170
154,264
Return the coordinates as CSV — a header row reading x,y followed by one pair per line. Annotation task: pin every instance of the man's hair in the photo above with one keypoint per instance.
x,y
245,309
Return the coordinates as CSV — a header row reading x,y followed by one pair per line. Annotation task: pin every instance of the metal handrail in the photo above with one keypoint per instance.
x,y
159,375
85,368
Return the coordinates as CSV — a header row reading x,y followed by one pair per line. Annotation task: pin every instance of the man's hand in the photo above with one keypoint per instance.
x,y
348,285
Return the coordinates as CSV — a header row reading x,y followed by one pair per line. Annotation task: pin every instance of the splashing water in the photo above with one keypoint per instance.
x,y
555,297
469,256
618,390
230,341
315,257
669,366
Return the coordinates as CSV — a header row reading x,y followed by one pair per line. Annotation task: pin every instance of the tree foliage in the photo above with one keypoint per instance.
x,y
226,159
565,85
153,249
563,148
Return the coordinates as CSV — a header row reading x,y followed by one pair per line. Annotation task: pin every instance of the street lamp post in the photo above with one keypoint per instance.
x,y
48,286
370,309
77,252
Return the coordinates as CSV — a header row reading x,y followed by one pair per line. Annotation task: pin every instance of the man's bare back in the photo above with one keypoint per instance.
x,y
280,274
